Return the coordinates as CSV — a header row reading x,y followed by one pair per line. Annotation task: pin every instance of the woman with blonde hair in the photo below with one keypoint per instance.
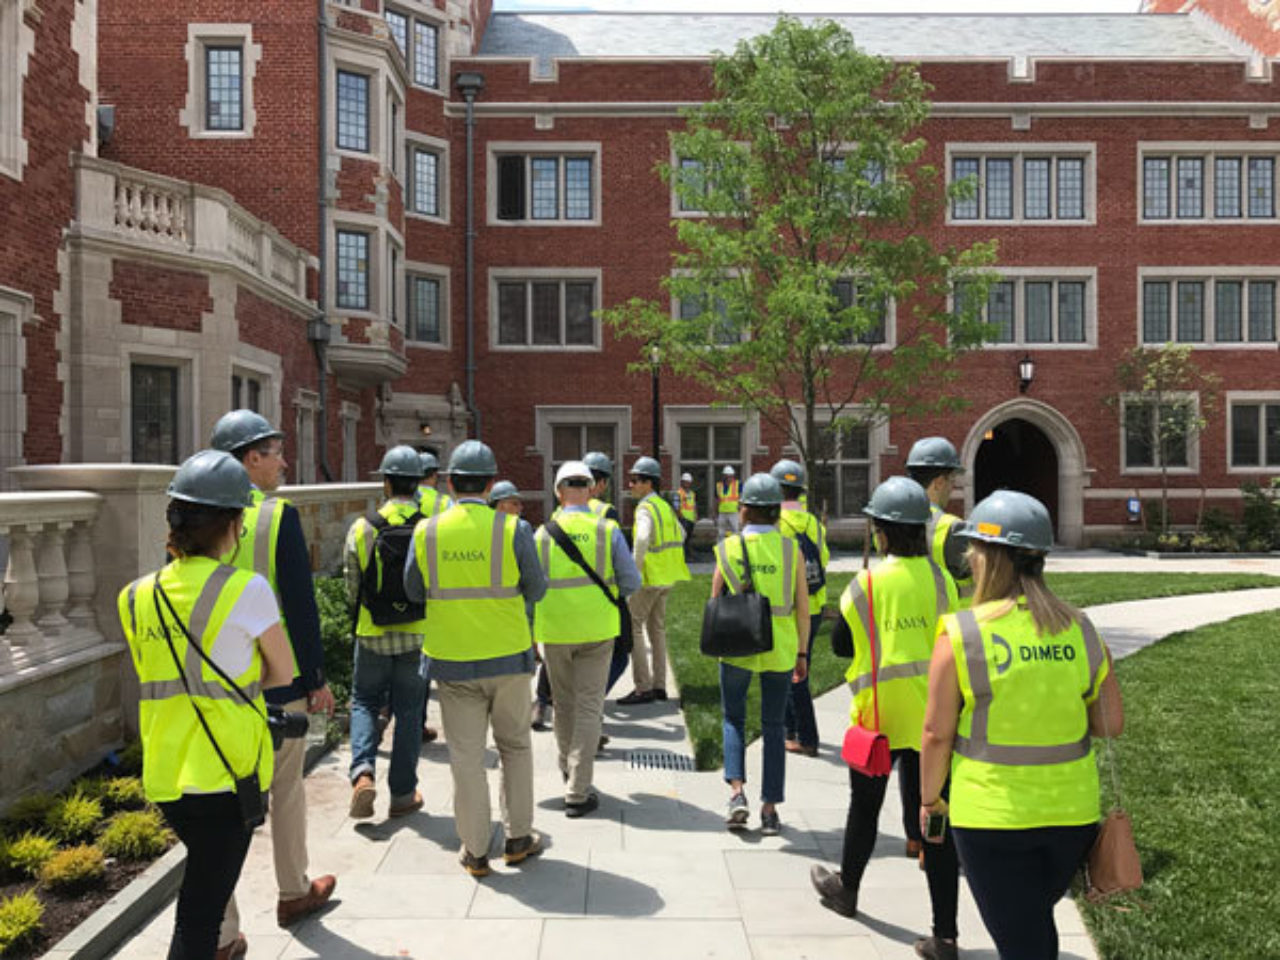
x,y
1017,686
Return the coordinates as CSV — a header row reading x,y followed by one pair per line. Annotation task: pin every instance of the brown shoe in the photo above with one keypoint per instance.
x,y
405,807
236,948
832,892
476,866
362,793
291,911
429,734
914,849
522,848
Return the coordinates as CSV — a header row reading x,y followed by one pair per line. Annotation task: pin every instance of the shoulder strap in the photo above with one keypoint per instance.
x,y
571,551
875,658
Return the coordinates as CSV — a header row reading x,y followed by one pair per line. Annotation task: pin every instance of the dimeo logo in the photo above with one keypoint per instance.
x,y
764,568
463,556
580,537
1028,653
1002,644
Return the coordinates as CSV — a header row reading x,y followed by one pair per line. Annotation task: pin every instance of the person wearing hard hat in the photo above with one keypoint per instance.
x,y
577,621
601,468
809,534
204,747
430,500
659,555
727,502
477,571
505,498
1018,685
888,624
388,640
934,464
273,545
687,508
776,569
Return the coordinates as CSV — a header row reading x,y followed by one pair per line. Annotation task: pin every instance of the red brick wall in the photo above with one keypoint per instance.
x,y
35,211
1257,22
152,296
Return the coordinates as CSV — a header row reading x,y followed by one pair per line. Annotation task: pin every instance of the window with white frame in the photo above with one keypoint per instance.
x,y
693,181
1214,310
15,47
1029,184
1230,183
353,111
571,441
350,442
850,294
222,60
705,450
224,87
549,186
426,180
860,191
418,41
15,311
840,483
248,391
398,24
306,405
1254,424
425,307
393,284
545,311
1038,310
1156,435
722,329
154,412
352,275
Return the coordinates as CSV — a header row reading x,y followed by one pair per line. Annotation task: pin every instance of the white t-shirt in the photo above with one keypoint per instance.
x,y
253,615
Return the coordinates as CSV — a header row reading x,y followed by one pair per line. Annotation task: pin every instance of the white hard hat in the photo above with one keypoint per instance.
x,y
573,469
686,478
728,471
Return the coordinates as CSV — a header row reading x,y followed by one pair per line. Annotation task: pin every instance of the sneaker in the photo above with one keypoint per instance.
x,y
476,866
636,697
770,824
362,795
522,848
541,716
935,948
580,809
832,891
406,805
736,814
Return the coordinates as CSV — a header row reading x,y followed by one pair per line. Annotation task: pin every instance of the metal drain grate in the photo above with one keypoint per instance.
x,y
660,760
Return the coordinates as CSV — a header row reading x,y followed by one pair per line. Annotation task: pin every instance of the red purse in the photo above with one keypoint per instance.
x,y
867,751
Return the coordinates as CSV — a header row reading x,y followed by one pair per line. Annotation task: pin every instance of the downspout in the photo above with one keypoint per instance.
x,y
318,329
470,84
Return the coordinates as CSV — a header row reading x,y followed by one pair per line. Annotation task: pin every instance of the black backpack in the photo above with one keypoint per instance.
x,y
382,582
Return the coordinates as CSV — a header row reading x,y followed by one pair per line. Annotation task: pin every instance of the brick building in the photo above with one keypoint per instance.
x,y
281,185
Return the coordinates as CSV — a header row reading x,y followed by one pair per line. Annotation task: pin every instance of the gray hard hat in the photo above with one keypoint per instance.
x,y
401,461
647,467
213,478
598,462
503,490
1012,518
471,458
239,428
761,490
429,463
899,500
789,473
934,453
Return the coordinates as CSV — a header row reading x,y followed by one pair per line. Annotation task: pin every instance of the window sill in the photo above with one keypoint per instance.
x,y
1209,221
1011,222
220,135
540,348
427,217
1268,345
365,156
1032,345
1254,471
424,345
1156,471
495,222
423,88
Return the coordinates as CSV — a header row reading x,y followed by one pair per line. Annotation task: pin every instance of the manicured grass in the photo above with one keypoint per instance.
x,y
699,677
1201,780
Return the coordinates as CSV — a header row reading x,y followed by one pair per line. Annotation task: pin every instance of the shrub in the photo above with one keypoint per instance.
x,y
19,919
30,810
135,835
73,869
130,759
74,817
123,793
30,852
1261,516
335,634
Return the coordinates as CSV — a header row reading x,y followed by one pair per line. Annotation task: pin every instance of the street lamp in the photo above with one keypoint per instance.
x,y
655,365
1026,373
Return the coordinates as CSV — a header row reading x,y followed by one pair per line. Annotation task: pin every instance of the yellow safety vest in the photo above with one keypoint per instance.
x,y
256,552
937,530
775,564
727,496
1023,757
574,609
664,560
908,596
362,539
467,560
431,501
796,522
177,755
688,504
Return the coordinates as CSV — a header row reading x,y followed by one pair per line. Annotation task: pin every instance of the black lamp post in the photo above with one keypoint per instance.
x,y
1026,373
655,363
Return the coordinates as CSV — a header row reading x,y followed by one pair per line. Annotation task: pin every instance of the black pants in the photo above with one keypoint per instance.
x,y
942,869
217,843
1016,877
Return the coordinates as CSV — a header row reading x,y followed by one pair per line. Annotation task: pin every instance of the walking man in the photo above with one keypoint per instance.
x,y
934,464
688,510
477,571
430,499
727,501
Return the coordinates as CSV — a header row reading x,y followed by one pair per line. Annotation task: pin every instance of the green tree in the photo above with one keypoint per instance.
x,y
806,166
1167,401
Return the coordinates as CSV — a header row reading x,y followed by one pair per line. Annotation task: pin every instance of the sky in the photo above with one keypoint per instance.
x,y
827,6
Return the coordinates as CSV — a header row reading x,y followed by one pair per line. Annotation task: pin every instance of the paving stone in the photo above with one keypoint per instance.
x,y
589,939
814,948
419,939
544,886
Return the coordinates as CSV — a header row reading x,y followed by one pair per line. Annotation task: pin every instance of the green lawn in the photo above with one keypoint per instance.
x,y
1201,779
698,676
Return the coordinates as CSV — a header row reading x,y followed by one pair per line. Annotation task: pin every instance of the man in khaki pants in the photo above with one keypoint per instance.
x,y
577,621
477,571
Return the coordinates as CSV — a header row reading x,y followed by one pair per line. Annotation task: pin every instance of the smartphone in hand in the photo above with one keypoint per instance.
x,y
935,828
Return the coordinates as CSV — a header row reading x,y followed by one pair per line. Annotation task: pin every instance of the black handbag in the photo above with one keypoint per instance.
x,y
737,624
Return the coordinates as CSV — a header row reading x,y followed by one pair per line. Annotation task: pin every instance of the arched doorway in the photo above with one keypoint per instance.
x,y
1017,455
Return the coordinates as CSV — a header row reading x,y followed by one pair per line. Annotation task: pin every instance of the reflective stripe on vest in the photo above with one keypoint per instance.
x,y
439,501
688,503
575,609
599,564
727,495
977,745
896,671
735,582
666,537
495,591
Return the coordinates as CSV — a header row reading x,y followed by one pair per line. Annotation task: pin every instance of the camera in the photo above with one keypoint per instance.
x,y
285,726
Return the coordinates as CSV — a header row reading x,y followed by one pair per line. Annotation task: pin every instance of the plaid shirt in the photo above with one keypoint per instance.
x,y
392,642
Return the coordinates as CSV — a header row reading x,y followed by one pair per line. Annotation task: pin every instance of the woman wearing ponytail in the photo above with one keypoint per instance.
x,y
1017,686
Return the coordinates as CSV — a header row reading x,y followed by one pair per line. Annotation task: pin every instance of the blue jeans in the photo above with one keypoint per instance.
x,y
800,722
734,682
379,677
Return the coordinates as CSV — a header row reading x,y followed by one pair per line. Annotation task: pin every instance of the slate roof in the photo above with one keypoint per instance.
x,y
903,36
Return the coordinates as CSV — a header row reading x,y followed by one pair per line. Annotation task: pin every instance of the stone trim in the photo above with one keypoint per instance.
x,y
17,43
199,37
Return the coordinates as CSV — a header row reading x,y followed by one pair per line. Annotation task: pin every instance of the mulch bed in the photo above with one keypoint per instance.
x,y
62,915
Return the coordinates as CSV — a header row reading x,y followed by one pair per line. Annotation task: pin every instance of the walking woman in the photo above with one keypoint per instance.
x,y
777,572
1017,686
892,616
198,629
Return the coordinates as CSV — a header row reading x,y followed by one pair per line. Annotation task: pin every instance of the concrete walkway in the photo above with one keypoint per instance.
x,y
653,874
